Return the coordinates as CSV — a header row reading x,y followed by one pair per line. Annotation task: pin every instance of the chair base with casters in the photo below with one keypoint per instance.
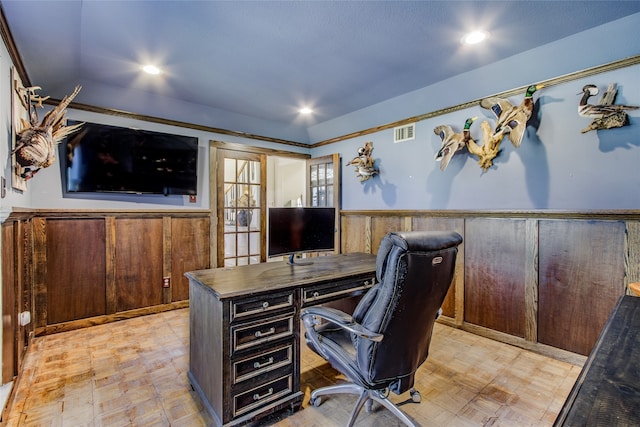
x,y
366,398
380,347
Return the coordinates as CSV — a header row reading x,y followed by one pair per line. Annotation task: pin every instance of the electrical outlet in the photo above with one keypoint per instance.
x,y
166,281
24,318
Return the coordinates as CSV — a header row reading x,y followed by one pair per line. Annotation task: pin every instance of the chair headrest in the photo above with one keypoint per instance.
x,y
415,241
424,241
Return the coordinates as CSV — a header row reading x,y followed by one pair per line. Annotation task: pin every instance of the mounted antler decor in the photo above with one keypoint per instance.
x,y
364,163
36,141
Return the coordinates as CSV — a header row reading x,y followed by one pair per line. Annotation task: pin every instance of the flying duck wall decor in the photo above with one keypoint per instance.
x,y
364,163
36,141
605,114
452,142
511,119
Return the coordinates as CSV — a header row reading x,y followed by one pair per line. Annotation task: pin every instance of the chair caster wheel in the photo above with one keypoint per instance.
x,y
369,406
315,402
415,396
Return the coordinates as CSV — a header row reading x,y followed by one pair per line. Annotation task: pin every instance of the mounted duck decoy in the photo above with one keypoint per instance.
x,y
364,163
452,142
606,114
511,119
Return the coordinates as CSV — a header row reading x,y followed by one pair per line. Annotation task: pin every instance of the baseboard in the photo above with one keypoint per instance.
x,y
108,318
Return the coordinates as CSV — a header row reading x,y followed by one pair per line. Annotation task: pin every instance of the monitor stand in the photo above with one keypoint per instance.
x,y
292,261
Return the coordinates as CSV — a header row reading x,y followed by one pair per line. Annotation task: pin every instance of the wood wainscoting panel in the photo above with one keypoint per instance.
x,y
138,262
355,233
189,251
454,302
494,262
39,260
75,269
23,240
380,226
632,261
9,306
581,278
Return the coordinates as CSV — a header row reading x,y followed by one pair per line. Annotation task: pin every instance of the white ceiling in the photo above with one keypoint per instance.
x,y
265,59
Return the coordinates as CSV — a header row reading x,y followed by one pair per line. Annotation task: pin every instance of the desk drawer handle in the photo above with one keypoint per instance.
x,y
315,295
257,396
258,365
259,334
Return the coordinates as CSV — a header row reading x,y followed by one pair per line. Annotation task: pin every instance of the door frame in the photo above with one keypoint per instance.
x,y
215,153
337,185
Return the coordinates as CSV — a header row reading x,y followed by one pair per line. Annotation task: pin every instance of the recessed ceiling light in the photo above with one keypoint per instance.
x,y
151,69
305,110
475,37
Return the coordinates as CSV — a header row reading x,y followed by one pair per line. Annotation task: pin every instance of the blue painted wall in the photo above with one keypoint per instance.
x,y
556,167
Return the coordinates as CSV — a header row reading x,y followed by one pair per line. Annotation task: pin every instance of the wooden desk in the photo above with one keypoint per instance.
x,y
245,330
607,392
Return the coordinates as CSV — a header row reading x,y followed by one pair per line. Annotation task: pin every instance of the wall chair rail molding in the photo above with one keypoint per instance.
x,y
623,63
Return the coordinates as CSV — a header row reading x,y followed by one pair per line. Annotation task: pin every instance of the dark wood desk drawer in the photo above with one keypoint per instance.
x,y
262,394
259,364
263,304
247,335
317,294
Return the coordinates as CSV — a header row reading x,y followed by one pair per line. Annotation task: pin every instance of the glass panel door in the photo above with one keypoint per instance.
x,y
322,181
241,213
323,187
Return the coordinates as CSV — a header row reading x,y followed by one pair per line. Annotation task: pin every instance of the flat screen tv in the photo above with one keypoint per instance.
x,y
110,159
299,230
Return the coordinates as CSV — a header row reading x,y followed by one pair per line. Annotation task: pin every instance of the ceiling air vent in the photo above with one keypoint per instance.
x,y
404,133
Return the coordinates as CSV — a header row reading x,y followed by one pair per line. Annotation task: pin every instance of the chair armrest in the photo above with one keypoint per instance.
x,y
340,319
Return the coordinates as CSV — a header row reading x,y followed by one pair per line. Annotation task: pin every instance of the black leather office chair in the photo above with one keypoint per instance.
x,y
382,345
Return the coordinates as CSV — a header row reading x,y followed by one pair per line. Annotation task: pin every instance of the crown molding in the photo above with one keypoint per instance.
x,y
623,63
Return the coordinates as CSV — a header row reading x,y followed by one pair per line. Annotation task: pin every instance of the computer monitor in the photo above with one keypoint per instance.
x,y
299,230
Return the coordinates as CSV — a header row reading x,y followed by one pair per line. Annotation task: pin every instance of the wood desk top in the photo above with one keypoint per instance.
x,y
230,282
607,392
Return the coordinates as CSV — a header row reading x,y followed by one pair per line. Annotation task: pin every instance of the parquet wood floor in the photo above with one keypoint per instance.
x,y
133,373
